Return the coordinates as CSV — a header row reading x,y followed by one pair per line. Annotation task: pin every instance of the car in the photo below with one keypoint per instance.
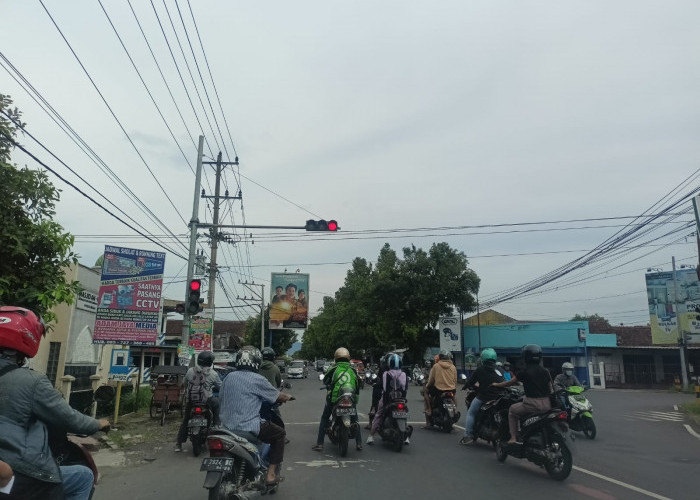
x,y
281,364
297,369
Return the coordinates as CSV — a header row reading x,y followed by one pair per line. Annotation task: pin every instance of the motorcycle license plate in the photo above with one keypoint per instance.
x,y
346,411
399,414
197,422
217,464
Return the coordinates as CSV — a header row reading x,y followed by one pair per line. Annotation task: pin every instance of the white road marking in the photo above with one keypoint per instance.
x,y
620,483
692,432
675,407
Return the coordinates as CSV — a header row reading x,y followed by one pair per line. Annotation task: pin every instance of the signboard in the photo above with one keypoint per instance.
x,y
87,301
184,354
202,331
289,301
669,314
450,333
120,368
129,310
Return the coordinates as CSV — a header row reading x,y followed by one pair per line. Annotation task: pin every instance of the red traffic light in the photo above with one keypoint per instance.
x,y
321,225
195,285
332,225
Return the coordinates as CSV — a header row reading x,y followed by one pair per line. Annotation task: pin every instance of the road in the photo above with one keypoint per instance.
x,y
642,451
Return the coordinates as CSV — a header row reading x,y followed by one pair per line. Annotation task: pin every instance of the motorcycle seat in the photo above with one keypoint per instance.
x,y
251,438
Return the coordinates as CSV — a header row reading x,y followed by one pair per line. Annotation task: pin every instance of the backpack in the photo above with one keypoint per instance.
x,y
197,389
394,385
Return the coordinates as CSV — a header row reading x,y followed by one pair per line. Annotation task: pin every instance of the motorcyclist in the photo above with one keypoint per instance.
x,y
212,382
242,394
341,375
30,407
484,376
507,374
537,383
377,390
566,378
393,384
271,372
443,377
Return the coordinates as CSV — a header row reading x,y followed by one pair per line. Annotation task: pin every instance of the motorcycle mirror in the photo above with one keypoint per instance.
x,y
320,376
463,377
287,385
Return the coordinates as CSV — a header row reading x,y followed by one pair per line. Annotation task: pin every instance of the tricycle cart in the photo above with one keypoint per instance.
x,y
168,390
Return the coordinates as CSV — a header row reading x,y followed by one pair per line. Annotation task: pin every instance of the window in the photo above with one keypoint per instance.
x,y
52,364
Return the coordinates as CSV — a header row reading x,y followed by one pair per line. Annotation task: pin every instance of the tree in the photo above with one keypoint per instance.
x,y
282,340
589,317
36,251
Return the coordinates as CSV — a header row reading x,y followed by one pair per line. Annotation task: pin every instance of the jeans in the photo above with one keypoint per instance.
x,y
77,482
324,420
471,417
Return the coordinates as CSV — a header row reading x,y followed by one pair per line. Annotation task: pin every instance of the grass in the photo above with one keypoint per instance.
x,y
133,402
693,409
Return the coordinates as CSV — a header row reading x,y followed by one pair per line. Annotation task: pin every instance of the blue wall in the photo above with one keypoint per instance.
x,y
556,337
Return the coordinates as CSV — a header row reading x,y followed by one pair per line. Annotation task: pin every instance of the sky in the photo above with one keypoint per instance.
x,y
384,116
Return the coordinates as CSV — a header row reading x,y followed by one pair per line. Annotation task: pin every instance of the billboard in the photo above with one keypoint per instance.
x,y
450,333
129,307
202,331
670,315
289,301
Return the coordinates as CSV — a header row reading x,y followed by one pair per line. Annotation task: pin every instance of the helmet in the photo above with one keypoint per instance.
x,y
205,358
20,330
268,354
341,353
506,364
567,368
248,358
499,364
532,353
393,361
488,355
445,354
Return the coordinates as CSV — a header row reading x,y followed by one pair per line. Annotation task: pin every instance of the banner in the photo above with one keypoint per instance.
x,y
201,331
289,301
129,308
450,333
668,312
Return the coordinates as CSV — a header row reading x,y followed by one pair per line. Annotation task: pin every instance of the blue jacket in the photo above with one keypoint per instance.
x,y
28,405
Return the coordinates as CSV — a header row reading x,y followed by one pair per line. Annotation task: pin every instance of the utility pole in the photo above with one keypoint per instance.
x,y
681,336
194,222
260,297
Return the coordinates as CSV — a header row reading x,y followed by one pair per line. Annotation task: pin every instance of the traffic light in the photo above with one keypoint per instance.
x,y
321,225
193,300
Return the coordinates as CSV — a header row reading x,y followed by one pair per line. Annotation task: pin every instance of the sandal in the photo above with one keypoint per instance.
x,y
317,447
358,447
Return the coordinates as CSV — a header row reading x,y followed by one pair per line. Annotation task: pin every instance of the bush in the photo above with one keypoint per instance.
x,y
132,401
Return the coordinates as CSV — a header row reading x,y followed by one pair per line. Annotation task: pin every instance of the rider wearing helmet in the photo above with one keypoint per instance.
x,y
484,376
537,383
566,378
340,376
243,393
269,369
394,384
201,374
443,377
30,408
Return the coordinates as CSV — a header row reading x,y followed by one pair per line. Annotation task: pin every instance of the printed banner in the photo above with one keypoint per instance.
x,y
450,333
202,331
668,312
289,301
129,308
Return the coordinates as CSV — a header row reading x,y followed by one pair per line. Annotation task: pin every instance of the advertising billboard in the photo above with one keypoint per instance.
x,y
450,333
129,310
289,301
202,331
671,315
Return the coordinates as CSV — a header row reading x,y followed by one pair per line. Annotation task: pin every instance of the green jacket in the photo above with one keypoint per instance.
x,y
342,375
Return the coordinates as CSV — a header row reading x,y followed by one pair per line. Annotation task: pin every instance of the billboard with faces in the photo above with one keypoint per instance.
x,y
289,301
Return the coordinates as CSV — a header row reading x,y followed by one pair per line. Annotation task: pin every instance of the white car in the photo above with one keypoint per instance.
x,y
297,369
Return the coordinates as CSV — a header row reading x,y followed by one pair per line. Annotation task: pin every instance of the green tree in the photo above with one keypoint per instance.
x,y
282,340
589,317
36,251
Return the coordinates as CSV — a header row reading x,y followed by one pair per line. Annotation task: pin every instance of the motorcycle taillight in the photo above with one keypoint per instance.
x,y
562,416
197,410
401,407
344,403
216,447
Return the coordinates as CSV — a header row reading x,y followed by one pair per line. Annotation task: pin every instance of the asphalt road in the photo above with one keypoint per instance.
x,y
642,451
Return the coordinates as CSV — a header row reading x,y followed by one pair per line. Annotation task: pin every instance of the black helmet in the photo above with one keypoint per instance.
x,y
248,358
205,358
532,353
268,354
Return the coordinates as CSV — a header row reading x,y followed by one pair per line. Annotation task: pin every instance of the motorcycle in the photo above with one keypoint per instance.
x,y
234,466
370,377
579,410
394,427
418,376
340,427
485,424
198,426
71,449
444,412
542,437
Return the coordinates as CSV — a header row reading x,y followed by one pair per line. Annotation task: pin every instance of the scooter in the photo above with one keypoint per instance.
x,y
342,424
485,424
580,411
444,412
71,449
394,427
198,426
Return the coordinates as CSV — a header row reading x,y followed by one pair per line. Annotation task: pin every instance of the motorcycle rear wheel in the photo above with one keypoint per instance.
x,y
223,487
501,453
343,440
196,445
561,468
397,445
589,429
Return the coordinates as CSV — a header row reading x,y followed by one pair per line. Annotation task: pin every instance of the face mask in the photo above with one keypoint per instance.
x,y
568,372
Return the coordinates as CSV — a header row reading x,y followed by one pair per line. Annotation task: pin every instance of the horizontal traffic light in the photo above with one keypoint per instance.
x,y
321,225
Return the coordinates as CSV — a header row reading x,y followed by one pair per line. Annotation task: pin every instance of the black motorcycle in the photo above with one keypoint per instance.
x,y
198,426
485,424
542,437
342,424
394,427
444,412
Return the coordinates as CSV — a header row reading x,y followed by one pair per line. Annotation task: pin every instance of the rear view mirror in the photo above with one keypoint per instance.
x,y
463,377
320,376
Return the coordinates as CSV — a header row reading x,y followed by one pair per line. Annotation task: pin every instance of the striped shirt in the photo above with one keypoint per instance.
x,y
242,394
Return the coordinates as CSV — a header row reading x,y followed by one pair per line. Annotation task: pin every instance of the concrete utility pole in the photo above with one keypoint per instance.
x,y
681,336
194,222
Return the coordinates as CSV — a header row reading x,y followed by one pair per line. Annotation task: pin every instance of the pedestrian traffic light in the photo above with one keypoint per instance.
x,y
193,300
321,225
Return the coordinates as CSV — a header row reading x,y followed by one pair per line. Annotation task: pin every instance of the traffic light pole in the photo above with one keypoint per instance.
x,y
194,223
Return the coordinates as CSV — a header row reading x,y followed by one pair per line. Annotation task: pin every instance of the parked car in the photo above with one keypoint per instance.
x,y
297,370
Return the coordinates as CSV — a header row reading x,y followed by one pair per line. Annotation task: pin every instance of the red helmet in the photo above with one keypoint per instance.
x,y
20,330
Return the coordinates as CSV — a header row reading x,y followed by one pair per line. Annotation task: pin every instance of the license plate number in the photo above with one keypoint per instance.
x,y
197,422
399,414
217,464
346,411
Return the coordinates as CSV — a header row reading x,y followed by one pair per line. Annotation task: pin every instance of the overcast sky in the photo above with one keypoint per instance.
x,y
382,115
